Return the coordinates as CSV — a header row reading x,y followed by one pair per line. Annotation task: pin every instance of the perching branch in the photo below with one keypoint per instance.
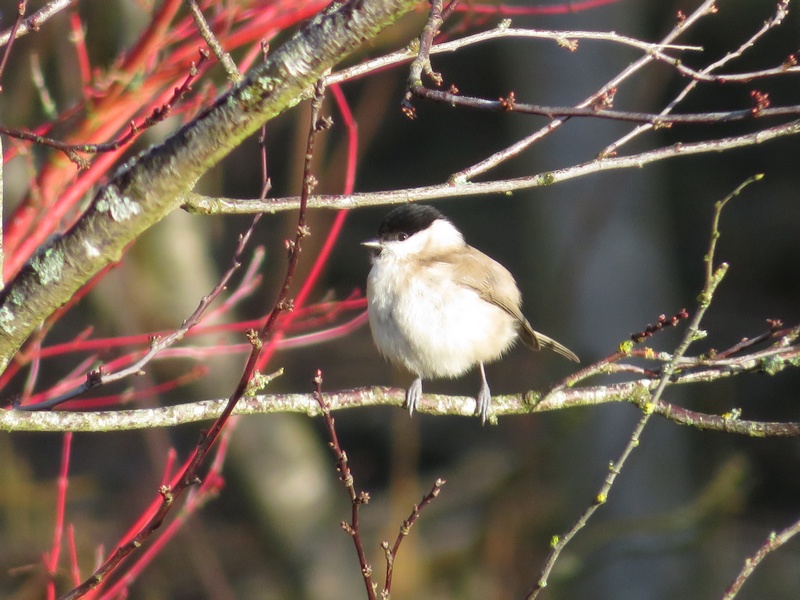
x,y
637,392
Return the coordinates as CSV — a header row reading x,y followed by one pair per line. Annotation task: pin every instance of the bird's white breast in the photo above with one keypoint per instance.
x,y
424,321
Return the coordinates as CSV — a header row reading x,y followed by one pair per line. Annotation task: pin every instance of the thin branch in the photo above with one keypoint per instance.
x,y
510,104
196,203
714,276
706,8
421,65
391,552
773,542
357,499
98,378
562,38
205,32
35,21
21,8
776,20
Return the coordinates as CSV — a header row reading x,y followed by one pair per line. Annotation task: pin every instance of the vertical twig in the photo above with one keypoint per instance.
x,y
2,205
345,475
713,277
52,557
189,475
224,58
405,529
422,63
21,8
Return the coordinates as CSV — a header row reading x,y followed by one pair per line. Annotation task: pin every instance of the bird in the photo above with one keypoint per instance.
x,y
438,307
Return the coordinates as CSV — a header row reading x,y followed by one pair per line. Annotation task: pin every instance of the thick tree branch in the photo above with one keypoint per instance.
x,y
150,186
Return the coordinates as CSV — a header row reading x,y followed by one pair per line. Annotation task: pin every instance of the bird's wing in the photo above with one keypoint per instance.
x,y
496,285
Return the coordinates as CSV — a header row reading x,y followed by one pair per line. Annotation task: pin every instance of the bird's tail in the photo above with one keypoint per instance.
x,y
537,340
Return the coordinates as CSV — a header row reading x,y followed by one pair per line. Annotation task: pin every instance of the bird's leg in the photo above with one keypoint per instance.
x,y
413,395
484,398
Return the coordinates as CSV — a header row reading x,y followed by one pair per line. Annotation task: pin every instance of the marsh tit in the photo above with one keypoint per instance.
x,y
438,307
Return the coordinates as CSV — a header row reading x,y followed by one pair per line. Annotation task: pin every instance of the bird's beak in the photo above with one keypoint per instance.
x,y
375,248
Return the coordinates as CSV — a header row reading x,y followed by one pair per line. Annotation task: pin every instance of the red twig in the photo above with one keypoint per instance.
x,y
78,38
319,263
346,476
189,475
208,490
61,503
74,569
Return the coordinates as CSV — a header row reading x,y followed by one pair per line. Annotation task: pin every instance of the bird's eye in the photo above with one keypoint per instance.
x,y
402,237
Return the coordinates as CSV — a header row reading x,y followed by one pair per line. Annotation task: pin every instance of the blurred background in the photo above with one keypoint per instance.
x,y
597,259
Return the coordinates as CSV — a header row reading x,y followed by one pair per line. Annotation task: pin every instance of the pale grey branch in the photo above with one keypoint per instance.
x,y
33,22
196,203
635,392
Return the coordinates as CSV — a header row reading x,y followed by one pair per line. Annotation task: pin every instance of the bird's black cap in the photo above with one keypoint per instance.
x,y
408,219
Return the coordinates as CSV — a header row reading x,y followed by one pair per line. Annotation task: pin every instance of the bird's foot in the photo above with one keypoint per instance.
x,y
484,402
413,395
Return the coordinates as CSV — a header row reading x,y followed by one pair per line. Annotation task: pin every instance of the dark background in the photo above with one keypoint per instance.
x,y
597,258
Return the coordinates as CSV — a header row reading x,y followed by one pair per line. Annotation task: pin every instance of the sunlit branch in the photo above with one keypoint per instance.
x,y
196,203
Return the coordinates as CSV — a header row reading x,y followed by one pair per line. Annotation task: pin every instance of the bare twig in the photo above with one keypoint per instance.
x,y
772,543
421,65
33,22
234,75
391,552
357,499
196,203
21,8
706,8
98,378
713,277
776,20
503,31
189,476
